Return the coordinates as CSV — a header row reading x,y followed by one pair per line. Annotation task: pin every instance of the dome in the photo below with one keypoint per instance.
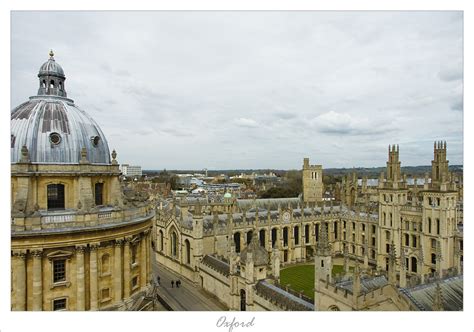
x,y
55,130
51,67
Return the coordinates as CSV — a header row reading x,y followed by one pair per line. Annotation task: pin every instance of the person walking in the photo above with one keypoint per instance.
x,y
177,283
172,283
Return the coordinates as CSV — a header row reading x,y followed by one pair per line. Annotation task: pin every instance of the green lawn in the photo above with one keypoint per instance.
x,y
301,277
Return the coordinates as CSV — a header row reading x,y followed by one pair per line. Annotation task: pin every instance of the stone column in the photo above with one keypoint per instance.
x,y
148,258
126,268
80,278
143,259
94,289
19,273
118,270
37,280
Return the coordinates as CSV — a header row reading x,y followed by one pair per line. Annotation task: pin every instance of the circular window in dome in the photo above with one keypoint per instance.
x,y
95,140
55,138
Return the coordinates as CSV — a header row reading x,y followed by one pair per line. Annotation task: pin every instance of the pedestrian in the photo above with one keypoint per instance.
x,y
172,283
158,280
177,283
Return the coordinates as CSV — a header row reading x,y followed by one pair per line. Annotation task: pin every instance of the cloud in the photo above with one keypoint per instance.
x,y
246,123
451,74
285,115
457,105
345,124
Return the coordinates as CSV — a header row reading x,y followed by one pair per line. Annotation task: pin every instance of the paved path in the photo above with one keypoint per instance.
x,y
185,298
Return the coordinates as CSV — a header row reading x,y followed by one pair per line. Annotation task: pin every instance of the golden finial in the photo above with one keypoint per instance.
x,y
51,53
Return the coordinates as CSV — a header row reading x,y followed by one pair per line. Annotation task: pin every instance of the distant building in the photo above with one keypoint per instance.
x,y
131,171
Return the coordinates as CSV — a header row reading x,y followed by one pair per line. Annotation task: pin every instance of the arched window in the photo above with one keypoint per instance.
x,y
161,240
51,84
43,84
285,236
60,85
98,193
274,237
296,235
437,226
174,244
390,219
429,225
414,264
262,237
237,242
105,264
242,300
407,240
384,218
187,246
335,230
55,193
317,232
414,241
249,237
133,249
387,235
433,258
306,233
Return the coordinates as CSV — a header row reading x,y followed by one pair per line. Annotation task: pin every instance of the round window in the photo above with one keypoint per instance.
x,y
95,140
55,138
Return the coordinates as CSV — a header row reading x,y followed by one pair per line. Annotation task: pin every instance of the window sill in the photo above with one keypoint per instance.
x,y
66,284
107,299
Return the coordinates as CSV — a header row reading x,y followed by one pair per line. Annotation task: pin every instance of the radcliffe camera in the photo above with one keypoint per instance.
x,y
207,161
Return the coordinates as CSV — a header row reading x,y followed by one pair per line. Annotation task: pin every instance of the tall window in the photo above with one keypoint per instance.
x,y
188,251
433,258
274,237
59,270
285,236
55,193
296,235
105,263
317,232
249,237
414,263
335,230
407,240
174,244
306,233
437,226
237,242
99,189
262,237
134,253
429,225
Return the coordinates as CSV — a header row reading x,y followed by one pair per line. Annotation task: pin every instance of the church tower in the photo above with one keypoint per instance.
x,y
312,182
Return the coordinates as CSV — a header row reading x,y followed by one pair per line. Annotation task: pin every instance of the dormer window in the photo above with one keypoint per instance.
x,y
55,138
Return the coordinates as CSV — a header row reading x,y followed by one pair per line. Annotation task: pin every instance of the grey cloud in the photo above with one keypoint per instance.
x,y
272,75
451,74
457,106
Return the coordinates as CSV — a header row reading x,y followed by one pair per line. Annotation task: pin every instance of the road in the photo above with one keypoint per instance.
x,y
185,298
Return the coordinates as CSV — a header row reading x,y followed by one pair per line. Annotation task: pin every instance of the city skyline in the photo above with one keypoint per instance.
x,y
257,90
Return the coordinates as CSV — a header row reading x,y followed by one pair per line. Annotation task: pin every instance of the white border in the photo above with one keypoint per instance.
x,y
191,321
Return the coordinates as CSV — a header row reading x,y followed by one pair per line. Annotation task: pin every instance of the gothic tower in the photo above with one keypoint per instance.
x,y
312,182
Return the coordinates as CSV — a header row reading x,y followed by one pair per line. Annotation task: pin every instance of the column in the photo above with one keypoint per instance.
x,y
94,289
19,273
118,270
37,280
81,298
126,269
148,257
143,260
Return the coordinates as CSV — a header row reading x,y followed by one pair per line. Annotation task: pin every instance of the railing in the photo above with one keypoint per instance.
x,y
72,218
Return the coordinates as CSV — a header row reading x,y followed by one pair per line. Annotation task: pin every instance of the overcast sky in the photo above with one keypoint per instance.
x,y
224,90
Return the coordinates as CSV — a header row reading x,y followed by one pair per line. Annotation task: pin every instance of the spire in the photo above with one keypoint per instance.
x,y
438,299
322,247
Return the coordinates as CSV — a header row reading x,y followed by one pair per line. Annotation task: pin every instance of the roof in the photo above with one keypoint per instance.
x,y
367,284
216,264
422,296
282,298
34,122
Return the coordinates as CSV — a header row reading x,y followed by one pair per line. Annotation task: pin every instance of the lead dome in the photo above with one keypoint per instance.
x,y
52,128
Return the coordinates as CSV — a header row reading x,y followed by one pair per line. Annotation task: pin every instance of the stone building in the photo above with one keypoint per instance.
x,y
78,241
312,182
407,234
